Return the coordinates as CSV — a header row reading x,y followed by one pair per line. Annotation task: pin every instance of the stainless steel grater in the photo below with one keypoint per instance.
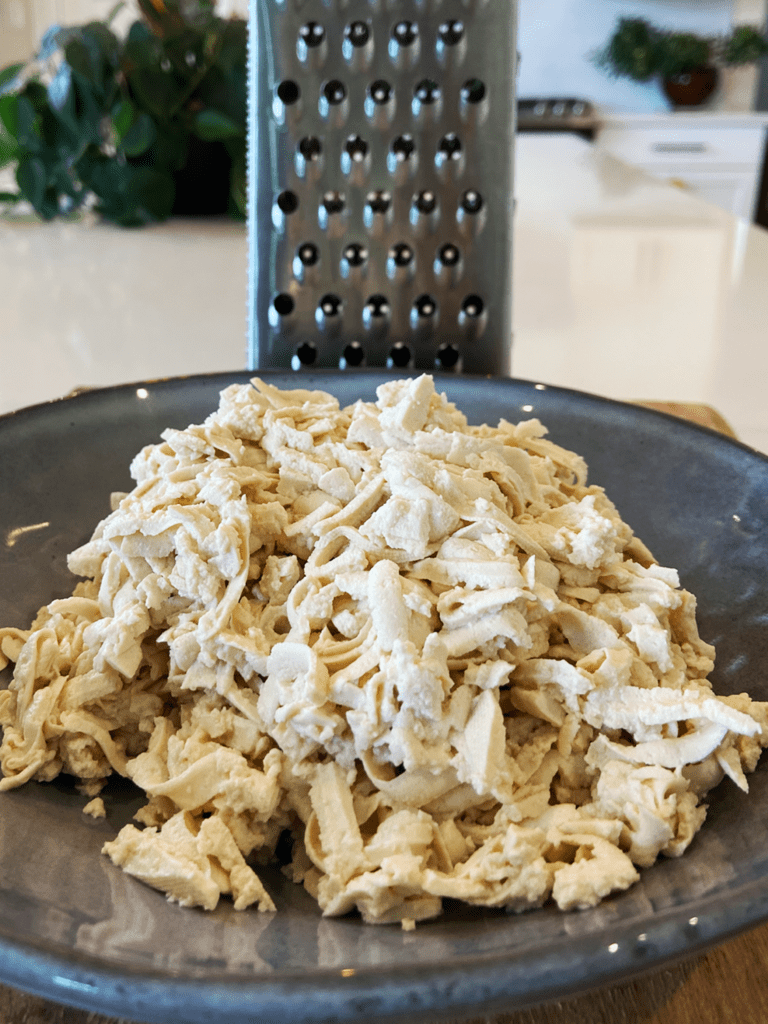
x,y
380,183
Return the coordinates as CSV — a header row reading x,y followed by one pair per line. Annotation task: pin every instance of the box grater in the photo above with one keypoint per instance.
x,y
380,184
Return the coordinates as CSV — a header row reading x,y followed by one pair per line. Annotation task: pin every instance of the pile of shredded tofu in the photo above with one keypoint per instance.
x,y
427,652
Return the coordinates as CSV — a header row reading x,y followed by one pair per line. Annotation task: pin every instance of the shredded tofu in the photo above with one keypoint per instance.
x,y
427,652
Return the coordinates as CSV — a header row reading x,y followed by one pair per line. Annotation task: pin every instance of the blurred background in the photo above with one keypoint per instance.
x,y
561,76
623,285
556,39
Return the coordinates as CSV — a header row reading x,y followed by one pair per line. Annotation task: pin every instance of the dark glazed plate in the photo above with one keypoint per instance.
x,y
77,930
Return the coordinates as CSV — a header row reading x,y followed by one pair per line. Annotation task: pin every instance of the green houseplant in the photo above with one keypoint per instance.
x,y
143,127
686,68
685,63
632,51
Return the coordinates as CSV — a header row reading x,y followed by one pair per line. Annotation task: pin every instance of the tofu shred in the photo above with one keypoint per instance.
x,y
427,652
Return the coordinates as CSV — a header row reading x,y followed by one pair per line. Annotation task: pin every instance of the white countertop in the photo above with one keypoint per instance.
x,y
623,286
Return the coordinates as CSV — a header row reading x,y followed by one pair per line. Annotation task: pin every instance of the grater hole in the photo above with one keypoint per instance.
x,y
401,254
405,33
354,254
447,357
329,305
310,148
449,147
424,307
425,202
451,32
473,91
403,147
283,304
306,354
356,148
449,254
473,306
427,91
380,91
399,355
288,202
335,92
472,201
354,354
378,201
377,306
357,33
333,202
308,254
312,34
288,92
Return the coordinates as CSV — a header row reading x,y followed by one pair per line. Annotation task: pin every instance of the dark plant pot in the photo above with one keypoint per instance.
x,y
691,88
202,185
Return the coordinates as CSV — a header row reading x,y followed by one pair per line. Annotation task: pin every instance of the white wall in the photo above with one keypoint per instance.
x,y
23,22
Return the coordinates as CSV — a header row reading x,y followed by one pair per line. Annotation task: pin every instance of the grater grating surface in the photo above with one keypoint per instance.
x,y
380,183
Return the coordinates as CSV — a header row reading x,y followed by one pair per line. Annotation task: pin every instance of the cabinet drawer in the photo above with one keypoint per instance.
x,y
684,145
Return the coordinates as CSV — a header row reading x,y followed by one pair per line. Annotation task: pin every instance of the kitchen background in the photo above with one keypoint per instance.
x,y
610,254
556,39
723,161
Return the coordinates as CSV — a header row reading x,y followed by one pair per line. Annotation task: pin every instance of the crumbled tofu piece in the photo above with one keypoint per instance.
x,y
429,652
95,808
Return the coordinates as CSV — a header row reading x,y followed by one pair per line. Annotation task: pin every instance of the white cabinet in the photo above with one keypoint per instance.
x,y
718,157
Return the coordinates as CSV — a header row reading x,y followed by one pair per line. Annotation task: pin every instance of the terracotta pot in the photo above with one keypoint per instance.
x,y
691,88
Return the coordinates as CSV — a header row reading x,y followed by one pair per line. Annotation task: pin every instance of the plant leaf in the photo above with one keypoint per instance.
x,y
150,76
9,146
31,179
28,125
9,116
90,114
92,52
8,153
79,58
8,76
139,136
122,118
212,126
70,128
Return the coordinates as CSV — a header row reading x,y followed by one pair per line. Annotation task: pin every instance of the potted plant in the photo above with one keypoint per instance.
x,y
686,69
686,64
143,127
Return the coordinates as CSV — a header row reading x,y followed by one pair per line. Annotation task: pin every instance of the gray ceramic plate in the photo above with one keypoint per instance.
x,y
75,929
